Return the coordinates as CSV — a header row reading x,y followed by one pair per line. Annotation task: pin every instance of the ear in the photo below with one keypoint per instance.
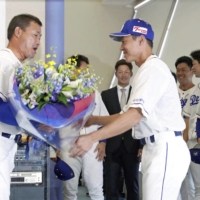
x,y
18,32
141,39
131,73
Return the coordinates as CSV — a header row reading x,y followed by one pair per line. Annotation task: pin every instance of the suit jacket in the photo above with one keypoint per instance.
x,y
111,101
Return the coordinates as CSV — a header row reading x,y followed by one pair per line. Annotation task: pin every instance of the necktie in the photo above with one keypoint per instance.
x,y
123,98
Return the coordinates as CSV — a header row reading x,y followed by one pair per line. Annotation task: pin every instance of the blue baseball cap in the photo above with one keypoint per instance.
x,y
63,171
134,27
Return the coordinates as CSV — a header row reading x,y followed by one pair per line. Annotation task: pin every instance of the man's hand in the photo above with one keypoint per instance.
x,y
57,155
198,140
81,146
100,148
44,127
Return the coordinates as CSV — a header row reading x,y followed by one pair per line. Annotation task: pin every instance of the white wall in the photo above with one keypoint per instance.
x,y
184,32
3,23
36,8
88,24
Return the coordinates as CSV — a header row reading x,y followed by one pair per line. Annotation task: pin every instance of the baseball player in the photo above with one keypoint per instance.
x,y
91,163
24,33
184,75
192,111
153,110
186,87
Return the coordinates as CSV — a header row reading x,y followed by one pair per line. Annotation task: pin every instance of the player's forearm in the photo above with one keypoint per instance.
x,y
104,120
185,132
122,123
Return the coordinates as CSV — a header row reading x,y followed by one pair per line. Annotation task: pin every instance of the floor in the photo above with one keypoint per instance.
x,y
82,193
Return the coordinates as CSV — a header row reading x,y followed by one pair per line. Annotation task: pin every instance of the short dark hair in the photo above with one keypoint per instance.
x,y
184,59
123,62
196,55
149,42
79,58
22,21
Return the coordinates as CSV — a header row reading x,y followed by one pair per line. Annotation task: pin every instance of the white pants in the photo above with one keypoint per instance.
x,y
195,171
187,188
92,172
164,166
7,152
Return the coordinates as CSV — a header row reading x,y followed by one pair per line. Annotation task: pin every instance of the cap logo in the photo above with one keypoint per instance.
x,y
139,29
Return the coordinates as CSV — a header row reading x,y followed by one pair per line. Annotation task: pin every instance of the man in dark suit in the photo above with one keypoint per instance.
x,y
122,151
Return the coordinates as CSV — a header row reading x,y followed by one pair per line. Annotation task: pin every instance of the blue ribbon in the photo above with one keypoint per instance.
x,y
6,115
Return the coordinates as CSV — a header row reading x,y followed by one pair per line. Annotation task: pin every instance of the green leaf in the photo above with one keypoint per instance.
x,y
62,98
46,98
21,91
40,98
41,105
66,88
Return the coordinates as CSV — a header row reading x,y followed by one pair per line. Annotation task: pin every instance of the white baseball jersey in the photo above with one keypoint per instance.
x,y
154,91
99,110
198,106
8,62
190,110
8,147
184,95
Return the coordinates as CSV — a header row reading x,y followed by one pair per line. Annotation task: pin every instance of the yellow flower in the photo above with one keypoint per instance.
x,y
45,65
52,67
75,63
48,56
52,62
74,77
54,55
69,60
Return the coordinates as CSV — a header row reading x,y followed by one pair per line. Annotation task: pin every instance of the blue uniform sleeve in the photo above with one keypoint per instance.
x,y
198,128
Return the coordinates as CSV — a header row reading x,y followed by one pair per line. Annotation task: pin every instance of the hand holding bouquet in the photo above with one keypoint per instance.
x,y
54,96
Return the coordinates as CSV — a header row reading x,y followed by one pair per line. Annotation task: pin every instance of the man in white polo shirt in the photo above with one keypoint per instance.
x,y
153,110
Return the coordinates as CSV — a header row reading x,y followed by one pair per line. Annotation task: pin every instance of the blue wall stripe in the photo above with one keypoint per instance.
x,y
54,28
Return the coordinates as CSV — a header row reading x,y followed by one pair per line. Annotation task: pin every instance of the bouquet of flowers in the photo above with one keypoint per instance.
x,y
54,96
43,83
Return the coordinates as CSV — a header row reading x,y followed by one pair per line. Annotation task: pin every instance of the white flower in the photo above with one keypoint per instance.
x,y
37,81
67,81
25,101
50,71
74,84
68,94
25,93
31,106
32,97
21,86
55,75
